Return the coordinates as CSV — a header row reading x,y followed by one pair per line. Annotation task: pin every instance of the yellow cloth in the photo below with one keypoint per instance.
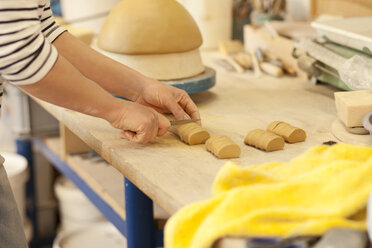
x,y
322,188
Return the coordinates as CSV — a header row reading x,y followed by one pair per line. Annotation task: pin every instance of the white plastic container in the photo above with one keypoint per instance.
x,y
97,236
76,211
214,18
298,10
16,106
45,200
87,13
28,230
16,168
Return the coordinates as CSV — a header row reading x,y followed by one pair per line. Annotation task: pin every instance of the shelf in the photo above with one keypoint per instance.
x,y
105,180
99,181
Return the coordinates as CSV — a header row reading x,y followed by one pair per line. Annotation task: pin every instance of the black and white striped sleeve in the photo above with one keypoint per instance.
x,y
49,27
26,56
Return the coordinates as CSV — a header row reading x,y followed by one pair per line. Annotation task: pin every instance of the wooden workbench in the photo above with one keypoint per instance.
x,y
173,174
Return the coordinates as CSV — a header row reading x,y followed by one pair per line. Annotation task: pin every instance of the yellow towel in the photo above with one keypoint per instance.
x,y
322,188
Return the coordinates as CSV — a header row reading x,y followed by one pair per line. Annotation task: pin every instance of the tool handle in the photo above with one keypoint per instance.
x,y
321,53
271,69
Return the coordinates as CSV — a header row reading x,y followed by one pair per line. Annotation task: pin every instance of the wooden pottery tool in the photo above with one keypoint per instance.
x,y
271,69
244,60
230,47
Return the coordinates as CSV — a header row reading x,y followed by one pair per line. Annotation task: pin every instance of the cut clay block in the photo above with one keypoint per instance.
x,y
352,106
289,133
223,147
192,133
264,140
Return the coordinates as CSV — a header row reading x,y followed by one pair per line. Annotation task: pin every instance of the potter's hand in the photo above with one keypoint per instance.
x,y
167,99
139,123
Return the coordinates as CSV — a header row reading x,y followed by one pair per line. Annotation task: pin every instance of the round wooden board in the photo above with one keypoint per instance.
x,y
339,131
196,84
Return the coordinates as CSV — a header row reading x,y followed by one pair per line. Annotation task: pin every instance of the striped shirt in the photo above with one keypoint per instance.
x,y
27,30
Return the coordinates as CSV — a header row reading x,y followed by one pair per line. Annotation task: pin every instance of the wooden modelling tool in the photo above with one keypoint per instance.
x,y
230,47
264,140
290,133
223,147
191,133
271,69
244,60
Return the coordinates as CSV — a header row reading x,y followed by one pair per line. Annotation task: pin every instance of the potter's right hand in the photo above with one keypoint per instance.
x,y
140,124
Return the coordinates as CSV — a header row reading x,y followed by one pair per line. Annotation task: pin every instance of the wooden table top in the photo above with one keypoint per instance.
x,y
174,174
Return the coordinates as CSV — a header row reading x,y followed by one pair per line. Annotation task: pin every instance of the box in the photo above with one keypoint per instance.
x,y
345,8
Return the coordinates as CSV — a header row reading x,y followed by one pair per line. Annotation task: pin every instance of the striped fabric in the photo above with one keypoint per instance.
x,y
27,30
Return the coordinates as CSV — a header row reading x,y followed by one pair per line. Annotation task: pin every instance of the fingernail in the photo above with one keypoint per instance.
x,y
124,135
186,117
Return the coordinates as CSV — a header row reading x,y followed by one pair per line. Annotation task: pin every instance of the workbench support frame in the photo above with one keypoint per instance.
x,y
139,217
24,148
138,227
66,170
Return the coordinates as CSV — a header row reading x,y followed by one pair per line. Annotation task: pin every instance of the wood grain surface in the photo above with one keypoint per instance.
x,y
340,132
174,174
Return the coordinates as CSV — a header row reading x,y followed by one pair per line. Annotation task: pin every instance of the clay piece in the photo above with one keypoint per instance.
x,y
290,133
170,66
264,140
223,147
191,133
159,38
149,27
352,106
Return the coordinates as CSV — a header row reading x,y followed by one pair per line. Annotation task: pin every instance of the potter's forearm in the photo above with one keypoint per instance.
x,y
65,86
109,74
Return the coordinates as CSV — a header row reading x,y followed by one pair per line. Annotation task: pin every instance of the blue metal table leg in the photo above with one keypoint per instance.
x,y
139,217
24,148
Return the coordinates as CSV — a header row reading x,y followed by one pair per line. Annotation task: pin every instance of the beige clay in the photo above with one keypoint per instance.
x,y
158,38
264,140
149,27
290,133
223,147
191,133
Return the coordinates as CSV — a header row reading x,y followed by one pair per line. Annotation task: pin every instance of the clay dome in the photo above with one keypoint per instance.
x,y
158,38
149,27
